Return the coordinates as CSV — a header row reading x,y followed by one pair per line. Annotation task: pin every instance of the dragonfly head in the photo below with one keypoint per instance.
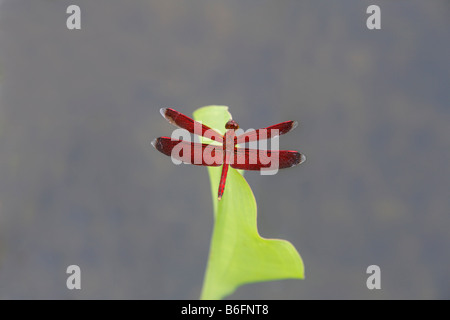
x,y
231,124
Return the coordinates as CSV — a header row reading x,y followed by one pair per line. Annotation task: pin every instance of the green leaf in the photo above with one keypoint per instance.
x,y
238,254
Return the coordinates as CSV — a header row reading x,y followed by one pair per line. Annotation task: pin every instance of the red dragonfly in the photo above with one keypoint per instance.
x,y
227,153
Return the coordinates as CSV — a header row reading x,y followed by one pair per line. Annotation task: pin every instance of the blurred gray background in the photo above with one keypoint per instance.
x,y
81,184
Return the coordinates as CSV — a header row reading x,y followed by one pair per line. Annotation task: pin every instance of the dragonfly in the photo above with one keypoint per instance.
x,y
226,150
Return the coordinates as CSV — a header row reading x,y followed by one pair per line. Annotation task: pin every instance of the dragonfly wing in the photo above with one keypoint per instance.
x,y
200,154
254,159
178,119
267,133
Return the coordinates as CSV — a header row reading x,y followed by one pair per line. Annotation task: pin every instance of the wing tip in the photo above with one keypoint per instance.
x,y
299,159
154,143
302,158
294,125
169,114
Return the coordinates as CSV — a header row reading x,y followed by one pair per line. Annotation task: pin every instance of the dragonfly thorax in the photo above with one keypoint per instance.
x,y
230,136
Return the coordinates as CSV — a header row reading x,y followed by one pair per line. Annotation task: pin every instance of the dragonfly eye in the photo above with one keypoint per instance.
x,y
231,125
